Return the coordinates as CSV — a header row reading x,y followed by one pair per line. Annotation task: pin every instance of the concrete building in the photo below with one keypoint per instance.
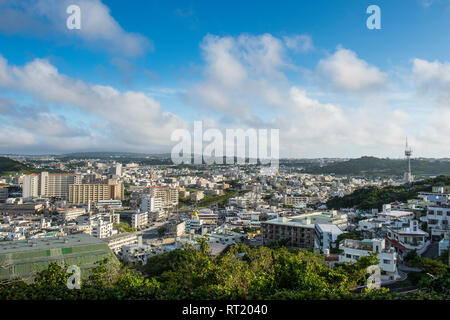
x,y
102,229
117,241
409,238
298,234
438,220
168,195
326,235
83,193
3,193
354,249
151,204
49,185
139,220
69,214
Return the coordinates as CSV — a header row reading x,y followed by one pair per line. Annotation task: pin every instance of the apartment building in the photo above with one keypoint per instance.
x,y
408,238
49,185
151,204
168,195
326,235
298,234
438,220
139,219
3,193
69,214
117,241
354,249
83,193
102,229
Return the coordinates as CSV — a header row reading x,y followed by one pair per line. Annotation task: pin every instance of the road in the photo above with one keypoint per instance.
x,y
432,251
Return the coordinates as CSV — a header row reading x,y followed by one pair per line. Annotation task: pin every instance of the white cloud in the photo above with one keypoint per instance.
x,y
46,18
345,71
132,120
299,43
433,78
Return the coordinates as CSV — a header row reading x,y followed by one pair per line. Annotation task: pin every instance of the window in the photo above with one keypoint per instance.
x,y
348,256
386,261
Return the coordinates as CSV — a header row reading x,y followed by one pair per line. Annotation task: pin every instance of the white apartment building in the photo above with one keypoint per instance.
x,y
102,229
117,241
49,184
151,204
69,214
326,235
139,219
354,249
409,238
438,220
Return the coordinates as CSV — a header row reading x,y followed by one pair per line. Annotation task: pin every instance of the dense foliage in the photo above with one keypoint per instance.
x,y
8,166
240,273
382,167
374,197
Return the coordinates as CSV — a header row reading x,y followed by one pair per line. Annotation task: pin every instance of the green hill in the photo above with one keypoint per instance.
x,y
373,197
371,166
8,166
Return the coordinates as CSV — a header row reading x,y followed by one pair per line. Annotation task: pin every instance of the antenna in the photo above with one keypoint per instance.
x,y
408,152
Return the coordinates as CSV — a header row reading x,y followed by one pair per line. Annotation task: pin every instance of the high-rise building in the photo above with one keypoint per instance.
x,y
168,195
82,193
151,204
49,185
3,193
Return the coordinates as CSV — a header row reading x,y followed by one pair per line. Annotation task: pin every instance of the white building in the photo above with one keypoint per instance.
x,y
438,220
326,235
139,219
409,238
102,229
354,249
151,204
116,242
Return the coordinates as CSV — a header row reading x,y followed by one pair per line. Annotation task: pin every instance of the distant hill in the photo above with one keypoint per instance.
x,y
8,165
371,166
373,197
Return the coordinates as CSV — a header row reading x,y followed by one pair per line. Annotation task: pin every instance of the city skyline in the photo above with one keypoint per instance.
x,y
133,74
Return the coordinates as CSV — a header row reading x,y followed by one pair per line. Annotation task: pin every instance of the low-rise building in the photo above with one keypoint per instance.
x,y
354,249
297,234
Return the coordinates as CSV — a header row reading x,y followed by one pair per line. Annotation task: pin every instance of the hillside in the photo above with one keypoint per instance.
x,y
371,166
373,197
8,165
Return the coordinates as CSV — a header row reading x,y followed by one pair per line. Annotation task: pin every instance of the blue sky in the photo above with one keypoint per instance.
x,y
138,70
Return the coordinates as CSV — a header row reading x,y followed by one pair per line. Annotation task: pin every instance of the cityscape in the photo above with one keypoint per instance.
x,y
257,160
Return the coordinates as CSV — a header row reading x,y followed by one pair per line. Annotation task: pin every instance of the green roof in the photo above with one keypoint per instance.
x,y
24,258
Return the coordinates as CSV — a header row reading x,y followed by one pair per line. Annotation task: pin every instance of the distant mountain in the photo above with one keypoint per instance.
x,y
8,165
370,166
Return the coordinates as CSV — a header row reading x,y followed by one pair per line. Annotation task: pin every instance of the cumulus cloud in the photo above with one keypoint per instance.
x,y
46,18
433,78
345,71
130,120
299,43
245,78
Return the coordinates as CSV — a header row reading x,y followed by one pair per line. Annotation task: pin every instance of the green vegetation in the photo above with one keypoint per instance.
x,y
373,197
371,166
9,166
123,227
240,273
